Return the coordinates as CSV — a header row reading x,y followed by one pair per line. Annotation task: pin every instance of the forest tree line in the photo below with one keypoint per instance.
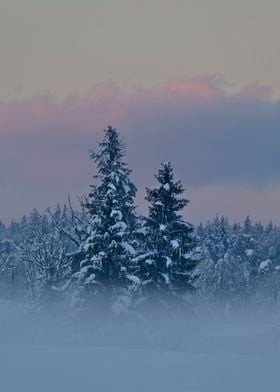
x,y
107,253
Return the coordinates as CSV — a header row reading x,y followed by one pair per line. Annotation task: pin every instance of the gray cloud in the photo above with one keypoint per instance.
x,y
211,137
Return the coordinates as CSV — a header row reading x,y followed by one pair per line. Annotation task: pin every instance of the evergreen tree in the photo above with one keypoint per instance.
x,y
231,281
166,266
2,230
206,277
248,226
105,270
216,238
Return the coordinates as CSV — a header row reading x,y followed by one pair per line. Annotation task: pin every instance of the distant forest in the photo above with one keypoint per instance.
x,y
107,253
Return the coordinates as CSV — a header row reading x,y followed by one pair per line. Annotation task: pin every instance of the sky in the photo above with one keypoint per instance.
x,y
193,81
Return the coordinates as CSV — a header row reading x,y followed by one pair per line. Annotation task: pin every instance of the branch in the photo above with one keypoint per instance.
x,y
61,228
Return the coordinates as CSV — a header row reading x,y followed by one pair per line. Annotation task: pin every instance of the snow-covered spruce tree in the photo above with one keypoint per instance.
x,y
206,277
214,244
247,226
167,264
217,238
103,271
233,282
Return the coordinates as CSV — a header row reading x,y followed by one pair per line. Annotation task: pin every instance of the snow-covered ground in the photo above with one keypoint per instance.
x,y
216,357
51,369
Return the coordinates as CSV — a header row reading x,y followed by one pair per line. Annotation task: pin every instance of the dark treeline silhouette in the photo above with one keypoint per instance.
x,y
107,255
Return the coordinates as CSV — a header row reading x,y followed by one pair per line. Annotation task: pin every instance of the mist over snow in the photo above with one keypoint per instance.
x,y
217,354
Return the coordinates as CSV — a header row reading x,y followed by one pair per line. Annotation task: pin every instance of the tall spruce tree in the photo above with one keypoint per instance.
x,y
105,271
167,264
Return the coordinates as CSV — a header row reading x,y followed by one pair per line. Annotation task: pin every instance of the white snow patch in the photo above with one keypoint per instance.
x,y
168,261
112,186
116,214
166,187
174,244
166,278
265,265
128,248
134,279
249,252
90,279
119,226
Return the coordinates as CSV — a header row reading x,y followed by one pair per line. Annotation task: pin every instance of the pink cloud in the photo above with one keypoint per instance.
x,y
103,104
204,87
106,103
44,143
